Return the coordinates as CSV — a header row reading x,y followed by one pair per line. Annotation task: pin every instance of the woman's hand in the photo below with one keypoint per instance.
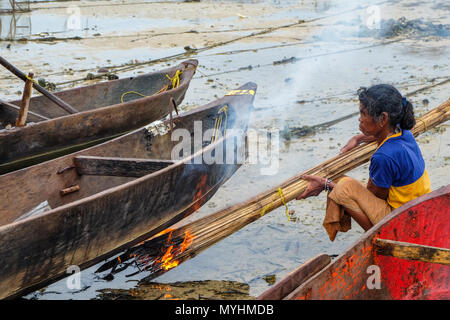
x,y
315,186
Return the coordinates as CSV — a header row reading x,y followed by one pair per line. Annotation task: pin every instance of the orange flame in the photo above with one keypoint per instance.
x,y
187,241
167,260
156,236
198,198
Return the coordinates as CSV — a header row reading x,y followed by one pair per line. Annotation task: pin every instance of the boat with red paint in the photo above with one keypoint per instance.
x,y
405,256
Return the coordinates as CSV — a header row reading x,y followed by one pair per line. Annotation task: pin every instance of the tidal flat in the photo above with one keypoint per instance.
x,y
308,59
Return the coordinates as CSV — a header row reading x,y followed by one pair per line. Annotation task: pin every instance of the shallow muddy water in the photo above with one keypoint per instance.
x,y
307,74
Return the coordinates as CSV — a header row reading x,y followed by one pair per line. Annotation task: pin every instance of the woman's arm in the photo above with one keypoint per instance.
x,y
381,193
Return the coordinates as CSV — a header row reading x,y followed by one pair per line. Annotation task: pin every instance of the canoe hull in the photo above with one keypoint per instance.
x,y
362,273
38,250
44,140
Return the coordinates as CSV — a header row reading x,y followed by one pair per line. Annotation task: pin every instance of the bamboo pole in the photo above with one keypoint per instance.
x,y
215,227
23,113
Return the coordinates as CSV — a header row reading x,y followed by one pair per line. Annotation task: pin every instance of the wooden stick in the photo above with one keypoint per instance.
x,y
174,104
49,95
69,190
23,113
171,117
412,251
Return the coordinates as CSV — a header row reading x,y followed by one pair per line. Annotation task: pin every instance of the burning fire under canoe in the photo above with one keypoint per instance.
x,y
155,256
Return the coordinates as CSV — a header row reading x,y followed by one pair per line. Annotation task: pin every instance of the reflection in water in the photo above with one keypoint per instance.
x,y
14,26
9,6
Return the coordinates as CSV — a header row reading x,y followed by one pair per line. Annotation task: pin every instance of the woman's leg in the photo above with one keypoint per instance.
x,y
361,218
361,204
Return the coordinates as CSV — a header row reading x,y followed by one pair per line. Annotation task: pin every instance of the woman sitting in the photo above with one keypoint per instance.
x,y
397,170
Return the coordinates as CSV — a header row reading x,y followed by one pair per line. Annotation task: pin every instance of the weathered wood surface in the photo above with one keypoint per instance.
x,y
101,115
123,167
361,273
282,288
9,111
412,251
107,214
47,94
23,113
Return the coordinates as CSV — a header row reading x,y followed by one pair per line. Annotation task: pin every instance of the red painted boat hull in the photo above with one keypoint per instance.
x,y
361,273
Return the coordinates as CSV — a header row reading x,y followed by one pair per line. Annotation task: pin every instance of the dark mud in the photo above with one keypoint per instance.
x,y
190,290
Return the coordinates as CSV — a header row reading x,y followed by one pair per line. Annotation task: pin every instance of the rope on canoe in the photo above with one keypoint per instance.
x,y
130,92
218,123
424,123
176,79
269,206
31,79
280,192
175,83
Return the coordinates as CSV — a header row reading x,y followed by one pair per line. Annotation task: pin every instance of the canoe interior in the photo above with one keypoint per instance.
x,y
362,273
93,96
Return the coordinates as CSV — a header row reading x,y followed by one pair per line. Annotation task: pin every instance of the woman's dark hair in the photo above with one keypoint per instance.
x,y
386,98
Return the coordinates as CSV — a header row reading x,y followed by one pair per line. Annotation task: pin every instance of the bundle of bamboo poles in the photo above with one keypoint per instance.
x,y
217,226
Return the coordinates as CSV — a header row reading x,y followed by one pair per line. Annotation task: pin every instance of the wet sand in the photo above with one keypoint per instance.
x,y
307,73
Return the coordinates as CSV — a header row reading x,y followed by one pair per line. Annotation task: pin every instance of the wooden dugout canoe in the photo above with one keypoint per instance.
x,y
128,190
51,132
406,256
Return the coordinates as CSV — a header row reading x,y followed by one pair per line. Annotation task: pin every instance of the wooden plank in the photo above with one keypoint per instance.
x,y
23,113
69,190
296,278
412,251
123,167
38,158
